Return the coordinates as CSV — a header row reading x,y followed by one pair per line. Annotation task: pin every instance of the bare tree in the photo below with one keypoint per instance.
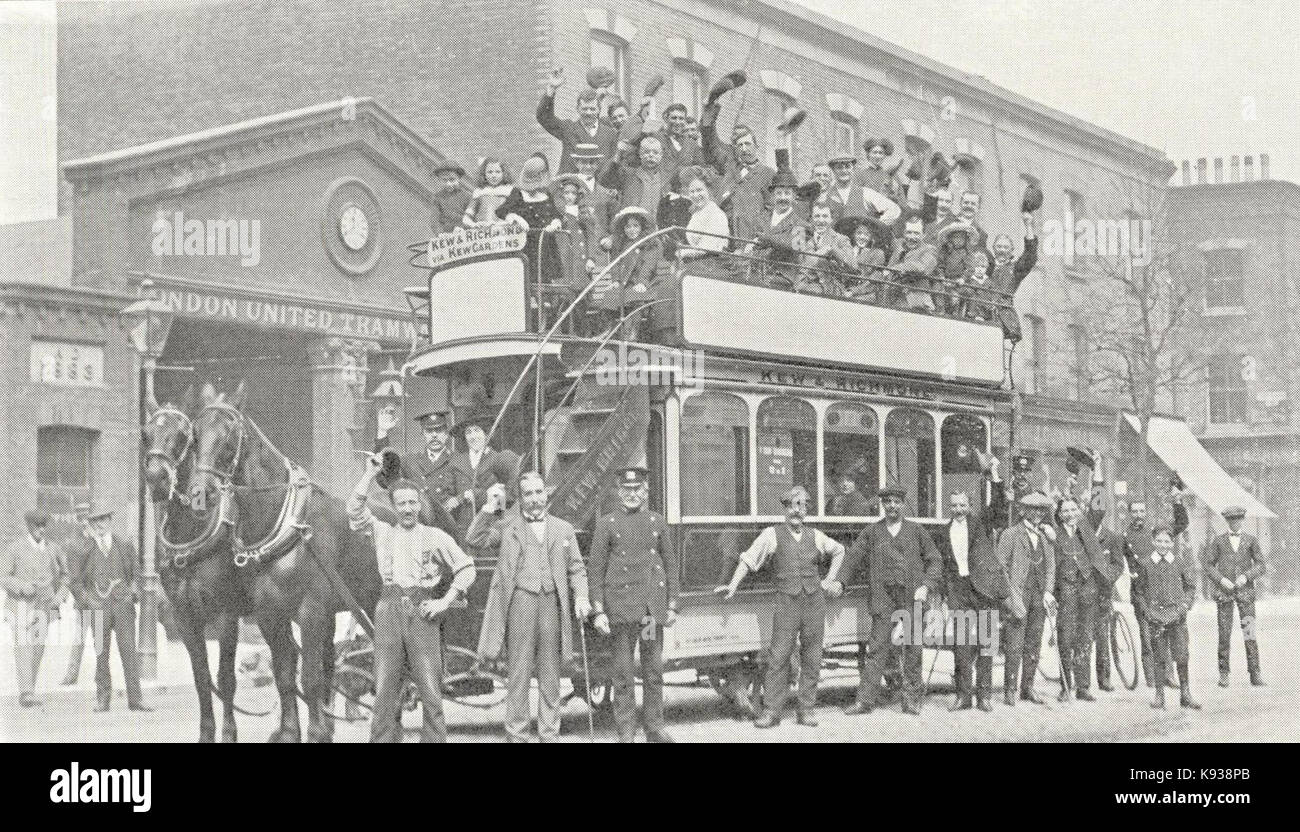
x,y
1136,305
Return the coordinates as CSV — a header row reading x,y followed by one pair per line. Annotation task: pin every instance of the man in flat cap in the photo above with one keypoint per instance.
x,y
796,554
902,568
34,576
1026,550
449,203
1137,548
434,468
634,583
1233,561
104,584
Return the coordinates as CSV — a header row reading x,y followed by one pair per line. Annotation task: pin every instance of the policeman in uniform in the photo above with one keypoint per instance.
x,y
434,468
1233,561
634,582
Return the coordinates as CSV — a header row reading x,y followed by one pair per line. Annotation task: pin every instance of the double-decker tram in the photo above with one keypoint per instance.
x,y
753,384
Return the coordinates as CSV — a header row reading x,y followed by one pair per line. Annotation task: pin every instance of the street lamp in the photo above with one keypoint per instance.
x,y
389,394
149,321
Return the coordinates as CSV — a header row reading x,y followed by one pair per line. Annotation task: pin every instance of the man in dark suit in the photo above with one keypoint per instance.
x,y
434,469
633,573
975,585
742,185
1137,548
1111,544
1083,572
104,584
902,567
1233,562
778,236
680,150
586,129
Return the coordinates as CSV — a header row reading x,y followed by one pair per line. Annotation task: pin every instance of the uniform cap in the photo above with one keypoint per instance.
x,y
633,477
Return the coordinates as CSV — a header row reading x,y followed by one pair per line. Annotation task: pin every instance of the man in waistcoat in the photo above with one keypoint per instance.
x,y
795,553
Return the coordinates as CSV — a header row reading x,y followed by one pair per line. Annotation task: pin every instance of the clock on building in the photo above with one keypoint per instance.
x,y
351,227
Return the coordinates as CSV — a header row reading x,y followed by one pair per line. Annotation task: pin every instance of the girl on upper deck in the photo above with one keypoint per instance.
x,y
493,187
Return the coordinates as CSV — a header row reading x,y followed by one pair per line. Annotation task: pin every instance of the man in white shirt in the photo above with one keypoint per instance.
x,y
796,553
408,627
1233,562
33,575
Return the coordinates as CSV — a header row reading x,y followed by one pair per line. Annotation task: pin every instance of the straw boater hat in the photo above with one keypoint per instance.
x,y
573,179
942,238
621,218
586,151
1036,499
843,159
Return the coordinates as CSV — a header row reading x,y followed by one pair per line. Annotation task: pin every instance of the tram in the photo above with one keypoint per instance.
x,y
754,389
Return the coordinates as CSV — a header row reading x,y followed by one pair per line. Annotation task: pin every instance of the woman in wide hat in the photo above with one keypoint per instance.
x,y
635,279
880,173
872,241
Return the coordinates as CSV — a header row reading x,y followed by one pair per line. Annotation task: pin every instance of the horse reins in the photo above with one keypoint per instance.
x,y
173,463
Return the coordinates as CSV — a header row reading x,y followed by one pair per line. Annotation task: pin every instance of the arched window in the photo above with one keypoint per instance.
x,y
714,455
851,453
960,437
787,451
909,457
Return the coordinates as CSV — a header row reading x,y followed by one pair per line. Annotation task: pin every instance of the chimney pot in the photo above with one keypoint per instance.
x,y
1250,168
1234,173
1218,169
1187,172
1200,171
1263,166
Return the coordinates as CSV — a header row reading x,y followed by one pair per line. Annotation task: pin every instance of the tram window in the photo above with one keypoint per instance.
x,y
787,451
714,554
909,457
852,457
960,437
714,458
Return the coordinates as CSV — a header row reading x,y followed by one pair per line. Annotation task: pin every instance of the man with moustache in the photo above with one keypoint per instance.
x,y
854,199
1027,553
795,553
914,261
539,583
433,469
976,584
1137,548
33,574
413,559
1083,572
639,186
902,568
586,128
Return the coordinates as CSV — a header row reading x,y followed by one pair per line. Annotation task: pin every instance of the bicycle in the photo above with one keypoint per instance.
x,y
1123,652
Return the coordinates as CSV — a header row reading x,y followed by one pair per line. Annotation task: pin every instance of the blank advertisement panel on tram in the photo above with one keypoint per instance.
x,y
485,297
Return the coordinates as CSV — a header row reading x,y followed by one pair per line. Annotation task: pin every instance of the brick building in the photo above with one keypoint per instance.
x,y
220,109
1247,232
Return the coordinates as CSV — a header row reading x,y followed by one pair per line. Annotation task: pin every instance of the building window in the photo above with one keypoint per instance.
x,y
1081,372
65,457
787,452
961,437
688,86
1036,360
611,52
1223,279
1227,390
715,455
846,138
909,457
846,114
851,449
1075,208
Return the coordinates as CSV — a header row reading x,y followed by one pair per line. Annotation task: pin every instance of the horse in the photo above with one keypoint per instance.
x,y
194,563
308,556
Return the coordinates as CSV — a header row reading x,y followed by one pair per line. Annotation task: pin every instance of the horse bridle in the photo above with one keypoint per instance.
x,y
241,428
173,463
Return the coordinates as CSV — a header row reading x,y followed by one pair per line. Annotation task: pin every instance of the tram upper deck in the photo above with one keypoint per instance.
x,y
727,304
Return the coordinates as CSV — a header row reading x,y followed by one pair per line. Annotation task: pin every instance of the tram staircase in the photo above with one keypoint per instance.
x,y
589,440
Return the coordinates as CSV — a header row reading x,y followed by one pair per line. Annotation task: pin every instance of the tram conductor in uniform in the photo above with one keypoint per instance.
x,y
633,574
796,553
434,469
540,583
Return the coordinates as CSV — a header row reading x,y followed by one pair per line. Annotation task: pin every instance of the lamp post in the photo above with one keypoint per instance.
x,y
149,321
389,394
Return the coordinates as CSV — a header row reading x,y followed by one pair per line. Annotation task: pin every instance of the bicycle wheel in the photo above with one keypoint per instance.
x,y
1049,659
1122,652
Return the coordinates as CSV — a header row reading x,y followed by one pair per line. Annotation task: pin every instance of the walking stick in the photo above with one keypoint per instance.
x,y
586,679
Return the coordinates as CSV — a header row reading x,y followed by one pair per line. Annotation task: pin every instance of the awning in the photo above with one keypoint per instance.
x,y
1174,443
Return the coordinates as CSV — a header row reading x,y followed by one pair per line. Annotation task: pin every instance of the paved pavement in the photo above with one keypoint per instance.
x,y
1239,713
